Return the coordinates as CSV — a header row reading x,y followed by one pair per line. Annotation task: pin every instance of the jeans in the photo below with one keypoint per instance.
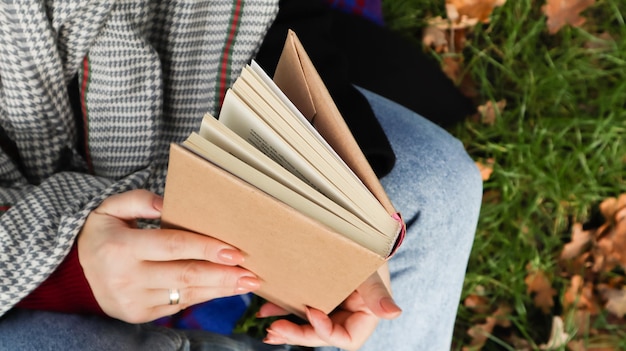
x,y
438,190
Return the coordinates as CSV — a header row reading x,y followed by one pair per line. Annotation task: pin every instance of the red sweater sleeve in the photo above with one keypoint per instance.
x,y
66,290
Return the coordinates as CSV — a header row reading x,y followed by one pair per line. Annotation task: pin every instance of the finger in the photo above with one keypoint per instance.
x,y
378,299
269,309
132,204
322,331
194,273
172,244
156,298
345,329
157,303
286,332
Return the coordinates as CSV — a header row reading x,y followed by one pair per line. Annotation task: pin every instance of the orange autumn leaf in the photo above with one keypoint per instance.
x,y
580,345
451,66
537,283
480,332
619,241
572,295
608,207
477,303
565,12
445,36
488,112
616,301
435,38
580,240
580,295
609,249
473,9
486,168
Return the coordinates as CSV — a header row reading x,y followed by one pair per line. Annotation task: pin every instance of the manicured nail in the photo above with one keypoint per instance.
x,y
259,315
230,256
389,305
157,203
247,284
274,338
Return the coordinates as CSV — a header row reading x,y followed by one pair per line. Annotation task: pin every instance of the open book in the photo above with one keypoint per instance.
x,y
280,177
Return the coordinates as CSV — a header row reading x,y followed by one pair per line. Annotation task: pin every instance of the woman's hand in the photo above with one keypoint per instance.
x,y
131,271
348,327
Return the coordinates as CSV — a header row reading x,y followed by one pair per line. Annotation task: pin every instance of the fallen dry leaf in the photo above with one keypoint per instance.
x,y
477,303
488,112
580,295
564,12
591,254
480,332
537,283
579,345
572,294
596,343
619,242
451,66
435,38
579,244
472,9
609,249
616,301
449,39
486,168
454,33
608,207
576,345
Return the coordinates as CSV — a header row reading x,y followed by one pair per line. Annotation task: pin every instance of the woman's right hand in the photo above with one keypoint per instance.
x,y
131,270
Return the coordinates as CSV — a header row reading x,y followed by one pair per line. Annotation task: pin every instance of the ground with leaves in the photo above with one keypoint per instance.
x,y
548,77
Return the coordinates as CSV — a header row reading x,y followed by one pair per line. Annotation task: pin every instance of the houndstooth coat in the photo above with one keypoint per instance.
x,y
148,70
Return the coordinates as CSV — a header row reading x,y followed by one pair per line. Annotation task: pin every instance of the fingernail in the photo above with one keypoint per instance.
x,y
389,306
157,203
230,256
259,314
274,338
247,284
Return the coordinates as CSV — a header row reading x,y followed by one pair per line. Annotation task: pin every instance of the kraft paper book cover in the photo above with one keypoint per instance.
x,y
280,177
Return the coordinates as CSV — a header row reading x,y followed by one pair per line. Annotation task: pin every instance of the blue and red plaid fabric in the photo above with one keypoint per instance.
x,y
370,9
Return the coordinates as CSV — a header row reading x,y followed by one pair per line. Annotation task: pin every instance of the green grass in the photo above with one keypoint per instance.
x,y
558,146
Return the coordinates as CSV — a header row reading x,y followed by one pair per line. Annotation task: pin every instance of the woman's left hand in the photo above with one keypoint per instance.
x,y
348,327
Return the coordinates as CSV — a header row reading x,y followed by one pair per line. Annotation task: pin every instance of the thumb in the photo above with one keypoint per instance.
x,y
132,204
378,298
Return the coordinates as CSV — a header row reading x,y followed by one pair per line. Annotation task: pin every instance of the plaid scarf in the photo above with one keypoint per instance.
x,y
149,70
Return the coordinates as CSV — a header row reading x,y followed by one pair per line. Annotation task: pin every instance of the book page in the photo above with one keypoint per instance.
x,y
299,117
241,119
371,240
336,174
214,131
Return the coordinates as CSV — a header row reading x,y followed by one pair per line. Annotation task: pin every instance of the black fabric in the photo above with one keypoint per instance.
x,y
348,49
9,147
393,66
74,95
312,22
